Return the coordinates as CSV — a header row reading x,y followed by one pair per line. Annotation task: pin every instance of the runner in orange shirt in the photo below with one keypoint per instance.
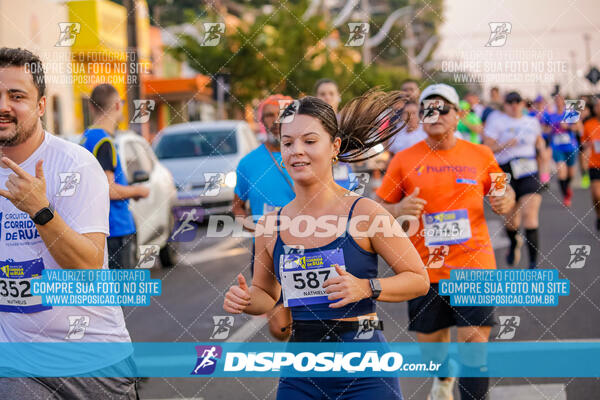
x,y
591,144
445,179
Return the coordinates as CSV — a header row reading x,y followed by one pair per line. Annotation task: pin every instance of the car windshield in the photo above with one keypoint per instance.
x,y
196,144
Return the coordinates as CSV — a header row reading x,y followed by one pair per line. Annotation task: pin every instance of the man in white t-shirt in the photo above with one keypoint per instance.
x,y
514,139
54,208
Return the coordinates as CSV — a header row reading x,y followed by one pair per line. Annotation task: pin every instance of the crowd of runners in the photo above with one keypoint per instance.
x,y
449,155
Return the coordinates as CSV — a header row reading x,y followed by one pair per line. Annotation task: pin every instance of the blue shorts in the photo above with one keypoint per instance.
x,y
354,388
568,157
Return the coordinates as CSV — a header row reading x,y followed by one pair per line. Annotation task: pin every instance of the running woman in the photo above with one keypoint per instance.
x,y
54,207
564,147
345,286
266,186
514,138
591,145
452,176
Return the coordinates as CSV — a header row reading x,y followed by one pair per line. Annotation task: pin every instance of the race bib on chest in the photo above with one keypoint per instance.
x,y
302,276
522,167
596,146
267,208
562,138
448,227
15,286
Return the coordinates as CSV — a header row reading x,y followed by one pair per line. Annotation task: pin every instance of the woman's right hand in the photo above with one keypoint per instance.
x,y
237,297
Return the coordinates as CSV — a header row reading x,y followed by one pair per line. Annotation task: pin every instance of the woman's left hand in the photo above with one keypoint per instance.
x,y
346,288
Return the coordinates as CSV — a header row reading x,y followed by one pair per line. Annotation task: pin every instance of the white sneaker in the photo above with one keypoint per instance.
x,y
442,390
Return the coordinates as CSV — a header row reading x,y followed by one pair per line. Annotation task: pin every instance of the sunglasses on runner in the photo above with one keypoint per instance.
x,y
445,109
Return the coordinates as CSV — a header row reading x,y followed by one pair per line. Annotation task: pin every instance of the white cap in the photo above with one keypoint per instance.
x,y
441,89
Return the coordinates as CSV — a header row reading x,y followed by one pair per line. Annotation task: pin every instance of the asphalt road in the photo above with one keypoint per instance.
x,y
192,293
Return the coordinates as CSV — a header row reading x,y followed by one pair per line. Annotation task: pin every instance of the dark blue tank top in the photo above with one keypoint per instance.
x,y
358,262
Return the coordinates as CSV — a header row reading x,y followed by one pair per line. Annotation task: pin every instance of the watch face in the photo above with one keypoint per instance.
x,y
43,217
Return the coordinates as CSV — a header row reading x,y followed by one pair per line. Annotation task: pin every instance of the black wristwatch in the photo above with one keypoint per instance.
x,y
44,216
375,288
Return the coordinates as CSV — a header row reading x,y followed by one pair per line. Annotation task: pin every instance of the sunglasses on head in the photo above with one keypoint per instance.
x,y
445,109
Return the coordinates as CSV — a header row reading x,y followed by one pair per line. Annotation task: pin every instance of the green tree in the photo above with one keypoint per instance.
x,y
281,53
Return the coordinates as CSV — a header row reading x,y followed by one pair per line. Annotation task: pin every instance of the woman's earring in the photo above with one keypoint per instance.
x,y
334,160
282,166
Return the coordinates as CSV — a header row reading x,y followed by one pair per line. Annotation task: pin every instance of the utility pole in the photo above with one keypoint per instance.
x,y
586,39
133,76
409,43
366,50
574,76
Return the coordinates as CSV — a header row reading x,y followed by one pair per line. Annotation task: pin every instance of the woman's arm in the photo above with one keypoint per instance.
x,y
265,290
387,239
392,244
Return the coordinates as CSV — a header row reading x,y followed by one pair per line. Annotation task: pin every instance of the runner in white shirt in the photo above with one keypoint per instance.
x,y
53,215
514,138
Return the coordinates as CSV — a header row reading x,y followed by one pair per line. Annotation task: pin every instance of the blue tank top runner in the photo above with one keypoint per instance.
x,y
302,272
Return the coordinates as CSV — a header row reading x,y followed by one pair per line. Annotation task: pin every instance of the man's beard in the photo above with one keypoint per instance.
x,y
20,135
273,134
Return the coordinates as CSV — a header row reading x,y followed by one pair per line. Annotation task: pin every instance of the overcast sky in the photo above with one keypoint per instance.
x,y
542,30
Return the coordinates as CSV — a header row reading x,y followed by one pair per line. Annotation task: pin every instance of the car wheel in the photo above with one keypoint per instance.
x,y
168,253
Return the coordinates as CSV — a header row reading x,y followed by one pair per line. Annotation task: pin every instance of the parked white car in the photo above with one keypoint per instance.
x,y
203,158
153,215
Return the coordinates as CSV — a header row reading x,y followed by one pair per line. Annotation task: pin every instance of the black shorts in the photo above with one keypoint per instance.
x,y
526,185
594,174
433,312
547,140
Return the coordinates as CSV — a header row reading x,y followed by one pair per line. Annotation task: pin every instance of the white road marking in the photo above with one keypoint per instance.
x,y
498,234
249,329
181,398
202,257
546,391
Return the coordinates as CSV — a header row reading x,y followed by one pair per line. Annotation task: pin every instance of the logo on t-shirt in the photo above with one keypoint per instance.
x,y
68,183
17,229
77,326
